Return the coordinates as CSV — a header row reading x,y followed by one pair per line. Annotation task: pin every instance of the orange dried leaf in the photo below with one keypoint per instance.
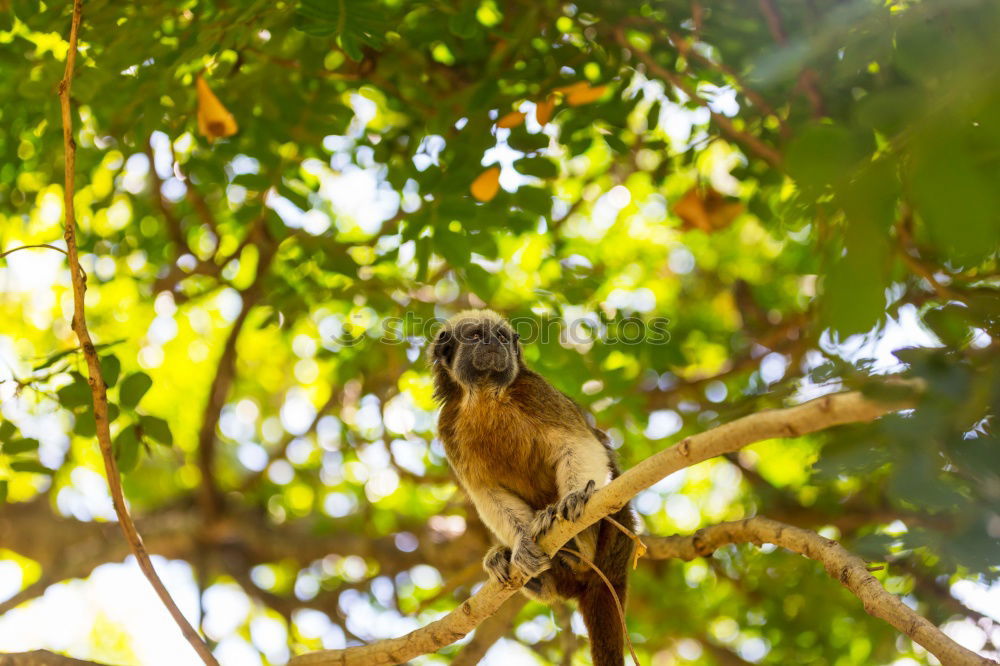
x,y
486,185
706,209
572,88
543,111
214,120
585,95
512,119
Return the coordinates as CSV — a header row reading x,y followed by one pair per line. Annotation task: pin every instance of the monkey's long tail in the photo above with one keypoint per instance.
x,y
602,605
599,609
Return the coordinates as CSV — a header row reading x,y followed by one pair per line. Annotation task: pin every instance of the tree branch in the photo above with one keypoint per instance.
x,y
849,569
818,414
28,247
225,373
808,79
489,632
98,388
42,658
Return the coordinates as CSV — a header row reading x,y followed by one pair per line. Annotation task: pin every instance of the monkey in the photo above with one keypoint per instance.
x,y
527,457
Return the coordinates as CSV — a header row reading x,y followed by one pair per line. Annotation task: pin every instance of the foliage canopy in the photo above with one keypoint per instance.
x,y
791,191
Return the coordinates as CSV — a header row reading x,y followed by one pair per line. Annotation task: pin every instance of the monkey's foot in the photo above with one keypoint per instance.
x,y
571,506
528,558
541,588
497,564
542,522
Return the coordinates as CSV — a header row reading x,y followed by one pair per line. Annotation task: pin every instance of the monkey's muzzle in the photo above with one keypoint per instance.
x,y
490,359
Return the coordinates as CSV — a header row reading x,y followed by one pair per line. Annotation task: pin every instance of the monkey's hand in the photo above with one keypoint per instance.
x,y
570,507
527,558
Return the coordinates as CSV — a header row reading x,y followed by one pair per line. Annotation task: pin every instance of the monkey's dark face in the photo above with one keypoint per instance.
x,y
478,351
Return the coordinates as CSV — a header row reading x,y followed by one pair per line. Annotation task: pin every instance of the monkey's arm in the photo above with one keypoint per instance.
x,y
509,518
580,459
582,465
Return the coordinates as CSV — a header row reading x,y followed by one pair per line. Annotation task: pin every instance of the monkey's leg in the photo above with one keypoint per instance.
x,y
509,518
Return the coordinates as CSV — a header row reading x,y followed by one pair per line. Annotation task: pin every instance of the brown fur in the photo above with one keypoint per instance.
x,y
506,428
513,427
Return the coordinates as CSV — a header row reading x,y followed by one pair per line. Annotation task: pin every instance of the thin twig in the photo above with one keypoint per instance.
x,y
755,145
808,79
98,388
28,247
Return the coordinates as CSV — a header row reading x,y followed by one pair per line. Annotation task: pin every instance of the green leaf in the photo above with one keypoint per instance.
x,y
255,182
111,368
32,466
7,428
126,449
85,425
14,447
534,199
352,22
3,491
156,428
133,388
854,286
956,195
520,139
540,167
75,394
616,144
822,155
54,358
454,247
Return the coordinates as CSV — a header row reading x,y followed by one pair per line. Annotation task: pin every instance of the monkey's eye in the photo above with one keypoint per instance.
x,y
476,335
503,337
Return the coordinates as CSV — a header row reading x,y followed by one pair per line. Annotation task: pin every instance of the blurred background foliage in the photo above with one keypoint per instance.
x,y
797,189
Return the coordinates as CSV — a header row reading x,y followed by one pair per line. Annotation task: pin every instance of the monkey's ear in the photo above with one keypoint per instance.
x,y
443,348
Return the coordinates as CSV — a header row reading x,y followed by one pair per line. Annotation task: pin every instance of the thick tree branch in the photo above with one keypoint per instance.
x,y
98,388
489,632
42,658
849,569
819,414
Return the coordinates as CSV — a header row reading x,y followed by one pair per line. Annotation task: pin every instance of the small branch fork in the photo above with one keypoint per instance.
x,y
97,386
812,416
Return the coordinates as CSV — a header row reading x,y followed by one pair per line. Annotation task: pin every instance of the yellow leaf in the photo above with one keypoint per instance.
x,y
543,110
706,209
214,120
487,184
585,95
512,119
